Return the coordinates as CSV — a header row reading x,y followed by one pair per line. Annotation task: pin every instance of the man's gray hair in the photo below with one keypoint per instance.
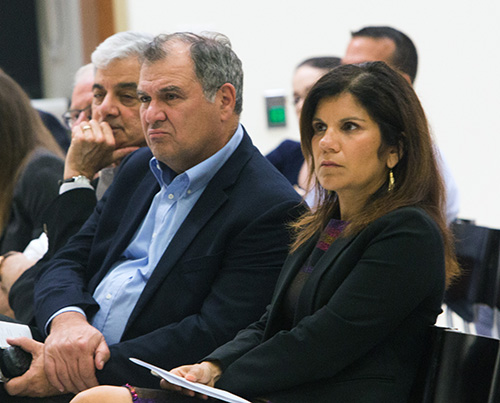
x,y
120,46
215,63
85,71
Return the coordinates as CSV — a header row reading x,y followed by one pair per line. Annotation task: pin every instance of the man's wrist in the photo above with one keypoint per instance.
x,y
78,179
61,316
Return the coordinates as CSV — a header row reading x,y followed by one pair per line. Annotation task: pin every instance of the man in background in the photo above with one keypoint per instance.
x,y
80,107
393,47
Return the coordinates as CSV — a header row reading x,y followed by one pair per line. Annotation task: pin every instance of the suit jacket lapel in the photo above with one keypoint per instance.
x,y
292,265
325,263
136,210
212,199
290,268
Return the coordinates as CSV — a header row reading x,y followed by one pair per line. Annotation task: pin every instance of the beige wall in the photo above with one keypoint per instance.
x,y
458,79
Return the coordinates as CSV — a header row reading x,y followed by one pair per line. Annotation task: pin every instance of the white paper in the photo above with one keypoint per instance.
x,y
197,387
9,330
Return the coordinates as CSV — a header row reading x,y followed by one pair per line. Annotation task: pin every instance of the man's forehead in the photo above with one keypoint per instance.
x,y
123,73
366,49
170,71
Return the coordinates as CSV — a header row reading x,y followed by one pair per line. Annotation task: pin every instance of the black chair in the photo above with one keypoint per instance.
x,y
477,251
458,368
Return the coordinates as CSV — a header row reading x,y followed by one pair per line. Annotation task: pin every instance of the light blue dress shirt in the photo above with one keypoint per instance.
x,y
119,291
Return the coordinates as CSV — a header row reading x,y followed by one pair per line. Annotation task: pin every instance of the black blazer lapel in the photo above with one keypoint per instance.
x,y
290,268
326,263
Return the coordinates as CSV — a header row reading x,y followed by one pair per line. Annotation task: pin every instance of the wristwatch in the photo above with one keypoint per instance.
x,y
76,179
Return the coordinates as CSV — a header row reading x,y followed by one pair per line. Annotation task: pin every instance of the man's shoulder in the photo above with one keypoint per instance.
x,y
258,178
135,164
140,156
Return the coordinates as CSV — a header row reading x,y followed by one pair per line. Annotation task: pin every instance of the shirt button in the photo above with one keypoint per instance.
x,y
189,191
154,235
170,196
108,296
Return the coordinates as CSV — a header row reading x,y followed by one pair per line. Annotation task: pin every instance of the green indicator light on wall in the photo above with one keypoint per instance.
x,y
275,108
277,115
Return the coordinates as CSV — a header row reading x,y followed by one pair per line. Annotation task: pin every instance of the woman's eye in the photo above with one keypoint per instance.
x,y
319,127
349,126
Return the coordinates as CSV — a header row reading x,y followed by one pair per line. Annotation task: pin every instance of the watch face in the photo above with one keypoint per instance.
x,y
81,179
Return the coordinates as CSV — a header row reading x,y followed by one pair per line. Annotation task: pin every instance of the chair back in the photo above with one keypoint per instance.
x,y
458,368
477,250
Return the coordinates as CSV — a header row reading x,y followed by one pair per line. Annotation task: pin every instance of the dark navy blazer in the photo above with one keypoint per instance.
x,y
216,276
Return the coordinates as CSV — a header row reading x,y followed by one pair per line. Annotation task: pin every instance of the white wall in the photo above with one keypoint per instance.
x,y
458,79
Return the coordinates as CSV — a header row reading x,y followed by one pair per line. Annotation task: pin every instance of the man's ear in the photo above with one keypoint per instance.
x,y
226,100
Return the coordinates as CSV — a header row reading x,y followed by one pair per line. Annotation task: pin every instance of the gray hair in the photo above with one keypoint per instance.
x,y
120,46
85,71
215,63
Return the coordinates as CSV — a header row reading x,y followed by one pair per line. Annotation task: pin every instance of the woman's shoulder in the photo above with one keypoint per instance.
x,y
410,217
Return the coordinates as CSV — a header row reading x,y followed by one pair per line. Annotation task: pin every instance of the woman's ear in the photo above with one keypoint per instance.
x,y
393,157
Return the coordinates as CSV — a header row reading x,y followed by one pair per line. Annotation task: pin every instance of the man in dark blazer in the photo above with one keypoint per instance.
x,y
217,269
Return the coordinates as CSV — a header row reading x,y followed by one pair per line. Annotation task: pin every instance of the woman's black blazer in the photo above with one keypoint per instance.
x,y
361,322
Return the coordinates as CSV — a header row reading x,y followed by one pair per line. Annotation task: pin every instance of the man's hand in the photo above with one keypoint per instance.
x,y
33,382
73,350
92,148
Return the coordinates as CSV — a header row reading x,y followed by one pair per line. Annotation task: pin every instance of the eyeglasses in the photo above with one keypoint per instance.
x,y
72,115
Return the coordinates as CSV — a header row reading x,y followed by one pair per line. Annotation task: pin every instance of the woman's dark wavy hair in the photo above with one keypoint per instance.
x,y
392,103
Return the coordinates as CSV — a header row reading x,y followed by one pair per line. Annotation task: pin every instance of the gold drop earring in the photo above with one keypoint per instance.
x,y
391,181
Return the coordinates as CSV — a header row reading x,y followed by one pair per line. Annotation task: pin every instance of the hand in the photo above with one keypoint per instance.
x,y
73,350
33,382
11,269
207,373
92,149
104,393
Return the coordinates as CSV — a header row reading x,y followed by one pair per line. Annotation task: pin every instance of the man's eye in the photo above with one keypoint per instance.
x,y
144,99
98,98
128,100
171,97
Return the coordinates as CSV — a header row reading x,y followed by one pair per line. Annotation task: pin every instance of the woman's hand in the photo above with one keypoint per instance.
x,y
207,373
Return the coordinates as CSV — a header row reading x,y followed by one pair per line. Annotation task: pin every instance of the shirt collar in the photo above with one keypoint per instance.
x,y
199,175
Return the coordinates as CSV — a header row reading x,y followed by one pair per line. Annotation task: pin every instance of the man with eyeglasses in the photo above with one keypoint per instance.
x,y
97,147
80,108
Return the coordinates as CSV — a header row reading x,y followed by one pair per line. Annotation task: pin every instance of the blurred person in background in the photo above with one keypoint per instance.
x,y
31,163
288,157
389,45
